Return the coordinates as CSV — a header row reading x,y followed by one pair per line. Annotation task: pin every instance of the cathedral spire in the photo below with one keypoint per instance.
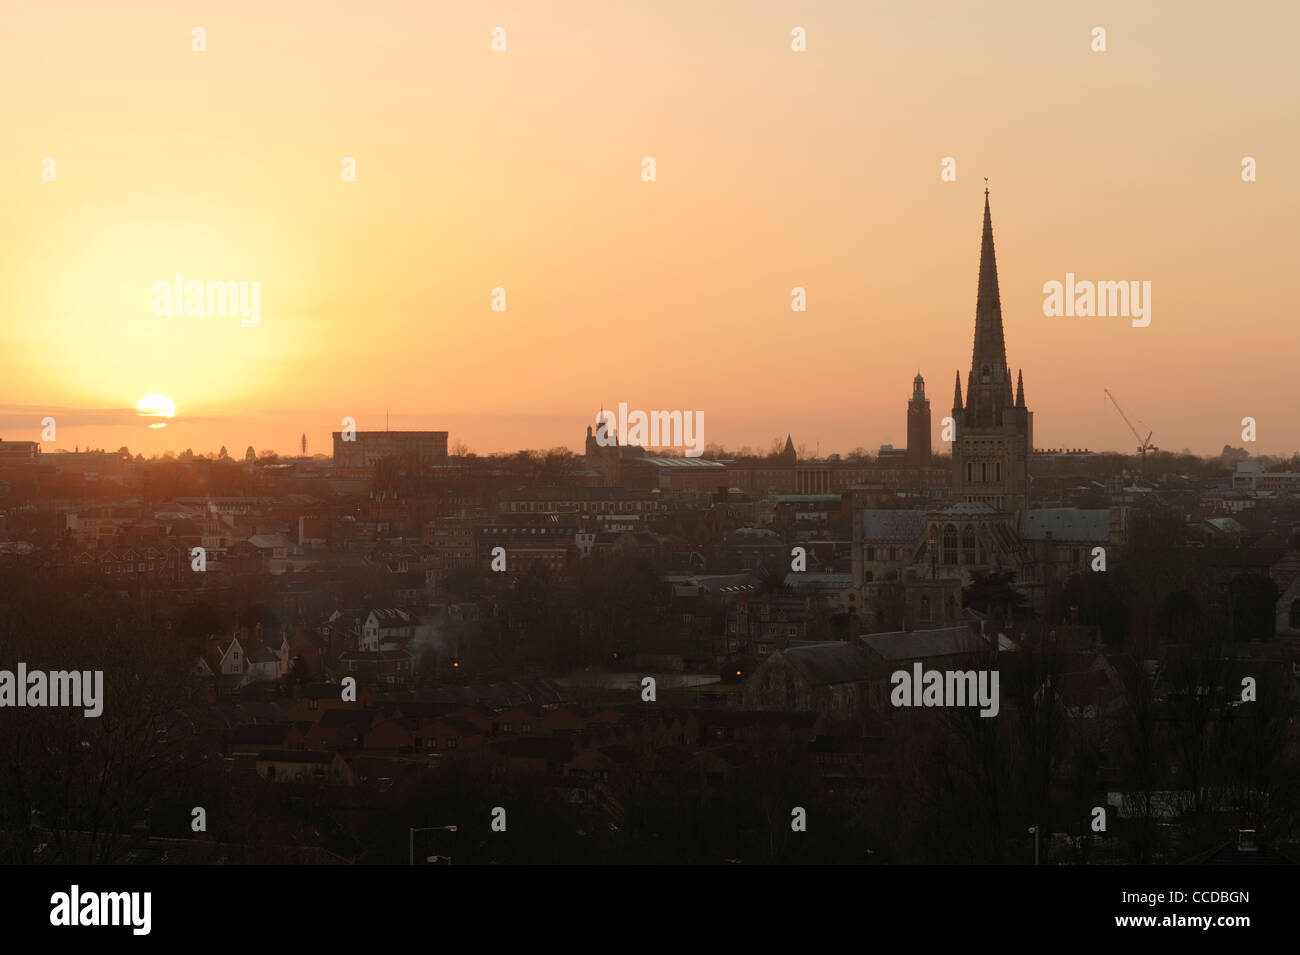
x,y
989,387
1020,388
956,394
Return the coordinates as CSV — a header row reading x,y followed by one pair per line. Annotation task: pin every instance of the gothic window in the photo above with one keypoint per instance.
x,y
997,469
986,374
984,472
968,545
949,544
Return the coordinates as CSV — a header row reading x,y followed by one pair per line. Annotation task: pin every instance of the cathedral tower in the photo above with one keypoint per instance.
x,y
995,430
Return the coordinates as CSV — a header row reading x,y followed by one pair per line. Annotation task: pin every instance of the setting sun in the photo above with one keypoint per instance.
x,y
156,406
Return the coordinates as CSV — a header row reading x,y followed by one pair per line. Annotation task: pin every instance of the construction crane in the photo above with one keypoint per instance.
x,y
1144,444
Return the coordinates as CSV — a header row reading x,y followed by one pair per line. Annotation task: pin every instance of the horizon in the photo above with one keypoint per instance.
x,y
377,293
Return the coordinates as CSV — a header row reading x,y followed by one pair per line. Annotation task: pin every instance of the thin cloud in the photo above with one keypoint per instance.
x,y
29,416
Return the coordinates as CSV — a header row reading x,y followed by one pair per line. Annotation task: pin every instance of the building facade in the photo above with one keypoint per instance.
x,y
410,448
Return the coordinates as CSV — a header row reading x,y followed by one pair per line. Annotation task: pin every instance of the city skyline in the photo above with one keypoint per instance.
x,y
511,184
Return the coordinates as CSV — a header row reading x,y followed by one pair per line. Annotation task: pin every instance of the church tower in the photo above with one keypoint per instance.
x,y
994,432
918,424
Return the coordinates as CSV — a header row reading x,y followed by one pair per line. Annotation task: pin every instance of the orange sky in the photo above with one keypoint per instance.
x,y
522,170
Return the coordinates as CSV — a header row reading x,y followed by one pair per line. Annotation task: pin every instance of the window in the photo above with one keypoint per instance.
x,y
950,544
968,545
451,742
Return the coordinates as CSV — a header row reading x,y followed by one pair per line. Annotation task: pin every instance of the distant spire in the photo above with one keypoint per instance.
x,y
989,388
956,394
1020,388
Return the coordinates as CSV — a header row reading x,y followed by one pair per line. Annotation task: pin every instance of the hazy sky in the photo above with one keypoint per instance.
x,y
522,170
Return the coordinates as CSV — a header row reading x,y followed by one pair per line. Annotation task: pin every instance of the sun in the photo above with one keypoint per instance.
x,y
156,406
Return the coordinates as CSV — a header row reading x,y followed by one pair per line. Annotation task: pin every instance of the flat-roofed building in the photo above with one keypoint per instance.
x,y
411,448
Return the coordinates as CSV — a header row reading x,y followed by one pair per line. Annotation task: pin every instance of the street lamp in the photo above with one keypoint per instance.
x,y
425,829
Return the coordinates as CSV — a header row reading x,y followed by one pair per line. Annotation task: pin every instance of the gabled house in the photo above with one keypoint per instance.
x,y
300,766
232,658
263,665
387,628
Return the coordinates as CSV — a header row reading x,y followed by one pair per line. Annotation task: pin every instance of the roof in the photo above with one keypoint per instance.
x,y
339,718
1065,523
826,664
892,525
816,580
391,616
714,583
702,464
576,494
920,644
1227,525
